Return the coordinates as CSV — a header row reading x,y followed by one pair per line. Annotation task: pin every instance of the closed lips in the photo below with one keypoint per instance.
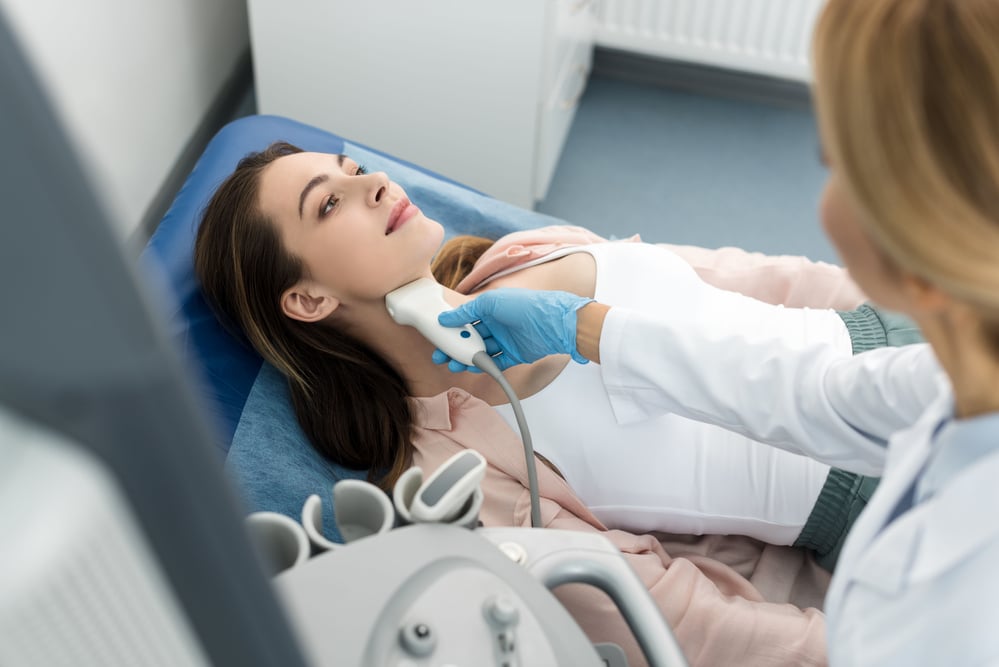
x,y
395,214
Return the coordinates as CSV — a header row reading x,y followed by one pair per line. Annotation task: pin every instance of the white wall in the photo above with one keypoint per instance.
x,y
131,80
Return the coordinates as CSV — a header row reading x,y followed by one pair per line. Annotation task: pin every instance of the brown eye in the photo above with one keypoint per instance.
x,y
328,205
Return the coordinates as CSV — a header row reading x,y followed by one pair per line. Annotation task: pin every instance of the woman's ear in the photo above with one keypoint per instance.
x,y
923,296
308,302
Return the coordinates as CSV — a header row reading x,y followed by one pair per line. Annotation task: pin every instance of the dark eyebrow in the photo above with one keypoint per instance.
x,y
321,178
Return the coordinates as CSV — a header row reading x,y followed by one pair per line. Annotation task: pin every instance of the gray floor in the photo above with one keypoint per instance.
x,y
686,168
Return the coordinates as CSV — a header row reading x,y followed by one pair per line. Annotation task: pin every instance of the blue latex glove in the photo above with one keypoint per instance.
x,y
524,325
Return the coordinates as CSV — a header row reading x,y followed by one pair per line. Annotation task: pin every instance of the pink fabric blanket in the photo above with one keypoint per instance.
x,y
729,600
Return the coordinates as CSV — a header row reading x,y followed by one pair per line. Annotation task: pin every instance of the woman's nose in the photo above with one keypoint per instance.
x,y
377,187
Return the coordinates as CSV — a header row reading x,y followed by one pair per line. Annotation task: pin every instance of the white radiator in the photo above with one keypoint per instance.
x,y
768,37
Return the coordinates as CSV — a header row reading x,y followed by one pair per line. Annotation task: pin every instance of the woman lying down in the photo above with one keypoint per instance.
x,y
297,250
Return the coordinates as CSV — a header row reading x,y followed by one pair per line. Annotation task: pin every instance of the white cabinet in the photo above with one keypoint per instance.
x,y
480,91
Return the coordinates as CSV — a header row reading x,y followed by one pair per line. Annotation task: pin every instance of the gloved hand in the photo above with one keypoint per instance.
x,y
525,325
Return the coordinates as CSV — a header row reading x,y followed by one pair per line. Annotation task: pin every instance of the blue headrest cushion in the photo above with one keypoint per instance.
x,y
224,365
266,453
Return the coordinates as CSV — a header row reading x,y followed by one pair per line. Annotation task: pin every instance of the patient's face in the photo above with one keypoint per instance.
x,y
356,232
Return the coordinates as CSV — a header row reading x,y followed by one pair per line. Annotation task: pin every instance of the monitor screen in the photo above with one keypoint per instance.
x,y
83,356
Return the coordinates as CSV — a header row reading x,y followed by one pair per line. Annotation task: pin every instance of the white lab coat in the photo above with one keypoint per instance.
x,y
924,590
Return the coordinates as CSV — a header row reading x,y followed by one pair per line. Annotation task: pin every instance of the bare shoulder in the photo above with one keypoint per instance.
x,y
576,273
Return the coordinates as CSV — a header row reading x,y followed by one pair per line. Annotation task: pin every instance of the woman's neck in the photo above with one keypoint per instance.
x,y
969,361
406,350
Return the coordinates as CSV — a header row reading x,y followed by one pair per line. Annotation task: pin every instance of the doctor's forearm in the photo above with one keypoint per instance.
x,y
589,324
757,370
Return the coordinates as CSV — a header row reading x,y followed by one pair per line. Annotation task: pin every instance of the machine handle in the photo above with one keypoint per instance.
x,y
611,574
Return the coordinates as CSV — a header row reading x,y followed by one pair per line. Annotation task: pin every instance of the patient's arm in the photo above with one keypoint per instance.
x,y
793,281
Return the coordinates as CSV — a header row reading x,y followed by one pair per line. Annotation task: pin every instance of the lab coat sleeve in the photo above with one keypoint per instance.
x,y
721,363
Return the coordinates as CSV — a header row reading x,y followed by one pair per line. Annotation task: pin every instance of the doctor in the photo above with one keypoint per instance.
x,y
907,96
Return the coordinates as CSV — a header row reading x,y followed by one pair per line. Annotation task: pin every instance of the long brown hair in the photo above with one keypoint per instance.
x,y
351,404
456,258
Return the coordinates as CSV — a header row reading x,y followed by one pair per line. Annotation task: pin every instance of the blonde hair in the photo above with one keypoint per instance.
x,y
907,95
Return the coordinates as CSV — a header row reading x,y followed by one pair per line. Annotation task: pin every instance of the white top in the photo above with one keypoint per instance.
x,y
921,589
661,471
